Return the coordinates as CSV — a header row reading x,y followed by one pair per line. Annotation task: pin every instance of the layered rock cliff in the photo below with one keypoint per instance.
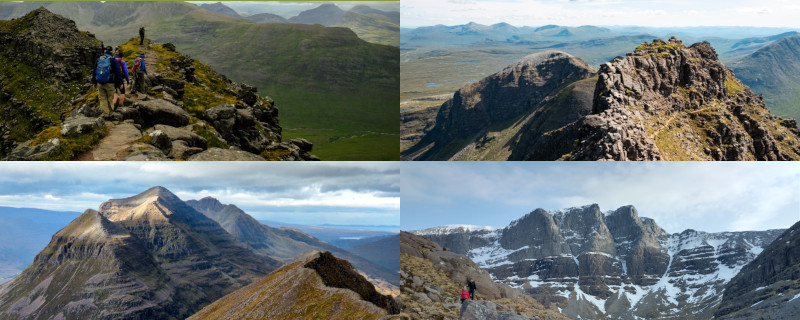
x,y
144,257
613,264
769,286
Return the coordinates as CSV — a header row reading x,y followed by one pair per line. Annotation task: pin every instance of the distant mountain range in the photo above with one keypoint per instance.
x,y
370,24
154,255
615,264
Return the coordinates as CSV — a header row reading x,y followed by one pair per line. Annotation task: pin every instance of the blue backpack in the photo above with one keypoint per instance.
x,y
104,74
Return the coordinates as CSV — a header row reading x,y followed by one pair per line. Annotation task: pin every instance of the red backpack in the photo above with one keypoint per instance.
x,y
137,63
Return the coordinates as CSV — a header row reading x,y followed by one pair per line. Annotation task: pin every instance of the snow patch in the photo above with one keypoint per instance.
x,y
453,228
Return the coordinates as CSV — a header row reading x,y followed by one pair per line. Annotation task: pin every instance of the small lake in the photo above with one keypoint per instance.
x,y
433,84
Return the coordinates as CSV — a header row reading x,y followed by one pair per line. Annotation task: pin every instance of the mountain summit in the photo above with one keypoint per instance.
x,y
146,256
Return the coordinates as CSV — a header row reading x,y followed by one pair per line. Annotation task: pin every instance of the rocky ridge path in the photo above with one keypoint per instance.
x,y
189,112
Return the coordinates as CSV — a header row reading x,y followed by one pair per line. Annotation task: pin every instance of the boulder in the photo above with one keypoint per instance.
x,y
160,111
161,140
192,139
80,124
182,150
26,152
145,152
217,154
473,310
303,144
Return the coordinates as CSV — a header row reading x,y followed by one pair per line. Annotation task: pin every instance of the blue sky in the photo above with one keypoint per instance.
x,y
364,193
655,13
706,196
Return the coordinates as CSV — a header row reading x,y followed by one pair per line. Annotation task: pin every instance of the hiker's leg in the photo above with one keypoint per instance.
x,y
106,92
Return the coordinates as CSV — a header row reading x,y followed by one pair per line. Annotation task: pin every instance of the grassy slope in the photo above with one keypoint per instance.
x,y
332,88
774,71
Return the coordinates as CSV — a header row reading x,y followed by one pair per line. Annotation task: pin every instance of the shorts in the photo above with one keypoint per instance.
x,y
119,90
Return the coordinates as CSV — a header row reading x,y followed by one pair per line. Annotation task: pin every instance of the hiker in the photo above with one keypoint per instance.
x,y
472,288
141,35
119,98
139,73
104,74
464,294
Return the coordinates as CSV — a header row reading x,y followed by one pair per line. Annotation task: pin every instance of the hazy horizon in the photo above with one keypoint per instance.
x,y
653,13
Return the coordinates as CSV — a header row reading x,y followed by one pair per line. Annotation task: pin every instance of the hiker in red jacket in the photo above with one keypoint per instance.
x,y
464,294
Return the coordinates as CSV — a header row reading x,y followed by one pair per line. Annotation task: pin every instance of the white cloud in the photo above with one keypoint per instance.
x,y
761,10
702,196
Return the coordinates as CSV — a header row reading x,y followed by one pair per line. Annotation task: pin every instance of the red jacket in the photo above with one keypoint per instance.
x,y
464,294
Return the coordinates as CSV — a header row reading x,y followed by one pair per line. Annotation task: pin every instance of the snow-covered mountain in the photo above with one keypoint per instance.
x,y
614,264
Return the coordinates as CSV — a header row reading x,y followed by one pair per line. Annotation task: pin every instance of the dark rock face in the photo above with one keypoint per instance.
x,y
767,287
505,95
620,262
340,274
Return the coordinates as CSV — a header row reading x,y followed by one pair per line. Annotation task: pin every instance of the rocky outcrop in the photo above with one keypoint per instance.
x,y
47,61
508,94
613,264
313,285
146,256
768,286
666,101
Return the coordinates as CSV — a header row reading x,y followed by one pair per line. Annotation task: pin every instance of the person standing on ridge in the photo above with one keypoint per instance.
x,y
472,288
464,294
119,98
139,73
105,72
141,35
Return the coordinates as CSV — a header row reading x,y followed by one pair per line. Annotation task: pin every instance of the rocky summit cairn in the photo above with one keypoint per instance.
x,y
189,112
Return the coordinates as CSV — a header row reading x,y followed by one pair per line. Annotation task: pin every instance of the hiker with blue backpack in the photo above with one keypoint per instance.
x,y
119,98
139,73
104,74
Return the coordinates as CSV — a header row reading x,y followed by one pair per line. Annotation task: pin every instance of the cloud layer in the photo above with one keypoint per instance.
x,y
702,196
311,193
